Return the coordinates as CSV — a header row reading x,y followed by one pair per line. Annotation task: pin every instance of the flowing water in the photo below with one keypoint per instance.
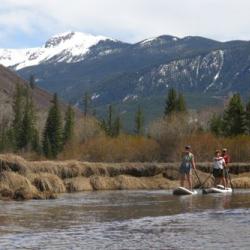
x,y
128,220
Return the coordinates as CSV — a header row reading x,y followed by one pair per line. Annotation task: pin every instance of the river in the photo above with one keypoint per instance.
x,y
127,220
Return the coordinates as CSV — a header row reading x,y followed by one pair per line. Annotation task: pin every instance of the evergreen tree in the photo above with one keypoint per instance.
x,y
86,103
110,120
216,124
52,136
32,82
17,121
248,118
171,102
68,132
139,121
234,117
116,128
47,147
36,142
28,129
181,104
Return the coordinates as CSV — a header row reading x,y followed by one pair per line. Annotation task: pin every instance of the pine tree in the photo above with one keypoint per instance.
x,y
52,136
116,128
32,81
110,120
248,118
28,129
36,142
47,147
216,124
234,117
17,121
171,102
68,132
139,121
86,103
181,104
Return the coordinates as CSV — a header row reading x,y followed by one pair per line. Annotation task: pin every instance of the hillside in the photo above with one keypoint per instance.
x,y
8,80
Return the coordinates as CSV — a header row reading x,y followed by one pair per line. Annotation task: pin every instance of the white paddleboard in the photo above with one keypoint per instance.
x,y
219,189
183,191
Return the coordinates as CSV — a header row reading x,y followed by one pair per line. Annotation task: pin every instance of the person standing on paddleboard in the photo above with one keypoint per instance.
x,y
226,157
219,165
186,167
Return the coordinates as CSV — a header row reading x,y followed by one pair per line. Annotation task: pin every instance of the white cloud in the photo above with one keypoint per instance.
x,y
129,20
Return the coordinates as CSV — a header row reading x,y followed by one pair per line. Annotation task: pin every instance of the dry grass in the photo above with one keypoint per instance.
x,y
124,182
21,179
78,184
241,182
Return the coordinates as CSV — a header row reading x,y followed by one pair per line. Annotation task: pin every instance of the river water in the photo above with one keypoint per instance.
x,y
128,220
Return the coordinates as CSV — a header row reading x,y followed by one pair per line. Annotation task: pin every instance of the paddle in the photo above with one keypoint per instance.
x,y
202,185
197,177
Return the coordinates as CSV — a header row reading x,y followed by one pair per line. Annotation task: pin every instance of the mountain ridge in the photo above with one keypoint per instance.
x,y
126,75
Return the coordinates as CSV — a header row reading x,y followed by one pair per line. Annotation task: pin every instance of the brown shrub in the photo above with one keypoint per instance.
x,y
169,132
123,148
204,145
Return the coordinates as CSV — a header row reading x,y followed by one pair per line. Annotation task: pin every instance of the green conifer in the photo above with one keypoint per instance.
x,y
17,121
139,121
52,136
181,104
86,103
68,132
171,102
234,117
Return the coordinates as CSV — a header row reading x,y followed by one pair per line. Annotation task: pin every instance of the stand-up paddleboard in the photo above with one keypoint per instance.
x,y
183,191
217,189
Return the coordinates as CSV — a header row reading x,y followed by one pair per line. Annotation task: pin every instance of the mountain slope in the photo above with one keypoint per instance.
x,y
127,74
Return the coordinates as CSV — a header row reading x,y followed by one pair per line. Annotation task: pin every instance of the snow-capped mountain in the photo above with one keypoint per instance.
x,y
67,47
127,74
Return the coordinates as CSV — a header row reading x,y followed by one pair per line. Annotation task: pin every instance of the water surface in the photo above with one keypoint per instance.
x,y
128,220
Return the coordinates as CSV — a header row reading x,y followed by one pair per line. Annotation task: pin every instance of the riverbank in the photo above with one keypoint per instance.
x,y
21,179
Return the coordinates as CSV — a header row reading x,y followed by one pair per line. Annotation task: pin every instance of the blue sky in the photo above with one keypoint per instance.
x,y
28,23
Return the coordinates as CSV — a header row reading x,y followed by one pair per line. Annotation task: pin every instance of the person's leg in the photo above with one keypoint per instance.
x,y
224,181
226,177
182,179
189,179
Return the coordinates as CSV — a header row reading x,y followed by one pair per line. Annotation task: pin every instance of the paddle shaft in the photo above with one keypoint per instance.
x,y
197,177
202,185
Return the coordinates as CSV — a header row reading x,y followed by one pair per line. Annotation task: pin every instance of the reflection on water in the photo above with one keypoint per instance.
x,y
127,220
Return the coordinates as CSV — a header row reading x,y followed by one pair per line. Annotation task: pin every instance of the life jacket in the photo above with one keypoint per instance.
x,y
187,160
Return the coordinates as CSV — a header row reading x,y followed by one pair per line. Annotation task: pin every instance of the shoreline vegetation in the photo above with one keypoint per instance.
x,y
23,180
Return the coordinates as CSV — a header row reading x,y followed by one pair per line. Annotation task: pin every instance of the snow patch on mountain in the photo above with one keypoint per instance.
x,y
66,47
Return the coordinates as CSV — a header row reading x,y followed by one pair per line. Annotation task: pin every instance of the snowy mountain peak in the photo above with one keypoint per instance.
x,y
66,47
57,39
165,38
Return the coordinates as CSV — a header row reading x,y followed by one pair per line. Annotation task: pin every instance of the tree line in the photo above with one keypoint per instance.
x,y
22,134
234,120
